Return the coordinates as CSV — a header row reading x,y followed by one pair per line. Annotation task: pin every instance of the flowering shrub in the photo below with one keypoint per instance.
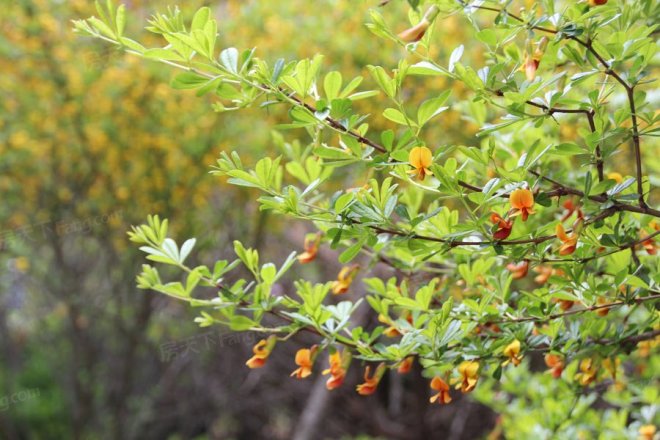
x,y
459,226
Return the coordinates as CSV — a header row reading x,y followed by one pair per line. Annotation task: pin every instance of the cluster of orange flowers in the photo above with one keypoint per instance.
x,y
339,362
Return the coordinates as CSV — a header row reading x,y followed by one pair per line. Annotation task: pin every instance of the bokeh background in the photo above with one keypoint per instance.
x,y
91,142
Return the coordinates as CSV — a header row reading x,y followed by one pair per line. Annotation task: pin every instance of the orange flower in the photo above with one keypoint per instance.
x,y
421,159
311,247
261,350
344,279
522,202
504,227
416,32
555,363
442,389
406,365
371,383
469,376
339,362
569,243
646,432
512,351
596,2
587,372
518,270
305,361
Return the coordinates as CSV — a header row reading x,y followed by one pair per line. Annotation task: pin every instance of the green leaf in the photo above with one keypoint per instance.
x,y
120,20
188,80
241,323
332,85
455,57
200,18
229,59
395,115
352,251
387,84
432,107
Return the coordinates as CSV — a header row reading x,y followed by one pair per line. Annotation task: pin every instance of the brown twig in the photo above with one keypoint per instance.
x,y
577,311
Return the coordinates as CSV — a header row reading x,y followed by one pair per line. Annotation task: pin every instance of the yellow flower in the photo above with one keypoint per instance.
x,y
421,159
646,432
512,351
469,376
442,395
522,202
617,177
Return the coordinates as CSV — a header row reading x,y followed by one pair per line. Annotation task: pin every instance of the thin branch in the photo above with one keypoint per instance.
x,y
577,311
599,154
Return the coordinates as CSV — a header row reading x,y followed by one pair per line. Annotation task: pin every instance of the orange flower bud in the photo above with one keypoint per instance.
x,y
371,383
522,202
604,310
406,365
569,243
518,270
442,389
421,159
261,350
570,207
504,227
311,248
596,2
555,363
344,279
416,32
